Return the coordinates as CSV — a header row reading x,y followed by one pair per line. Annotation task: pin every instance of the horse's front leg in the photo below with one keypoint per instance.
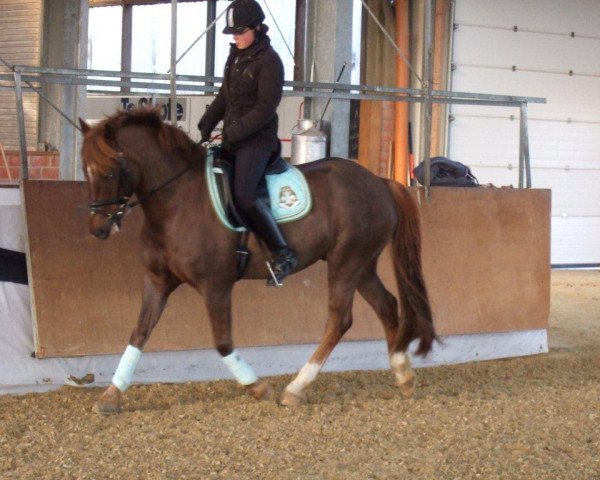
x,y
218,305
154,298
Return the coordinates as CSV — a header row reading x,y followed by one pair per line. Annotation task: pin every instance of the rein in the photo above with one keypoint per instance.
x,y
123,201
156,189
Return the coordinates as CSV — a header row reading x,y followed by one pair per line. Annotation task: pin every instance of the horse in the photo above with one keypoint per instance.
x,y
354,215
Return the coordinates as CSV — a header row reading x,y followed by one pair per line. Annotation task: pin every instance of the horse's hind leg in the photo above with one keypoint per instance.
x,y
341,294
386,308
154,298
218,305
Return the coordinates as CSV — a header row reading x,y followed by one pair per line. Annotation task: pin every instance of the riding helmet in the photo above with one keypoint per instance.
x,y
242,14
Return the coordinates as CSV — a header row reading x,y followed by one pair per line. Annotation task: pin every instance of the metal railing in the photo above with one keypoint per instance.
x,y
32,78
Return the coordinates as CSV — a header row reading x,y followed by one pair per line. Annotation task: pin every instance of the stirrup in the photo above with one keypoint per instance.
x,y
273,281
281,267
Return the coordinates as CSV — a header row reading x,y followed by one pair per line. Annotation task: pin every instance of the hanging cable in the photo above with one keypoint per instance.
x,y
199,38
280,32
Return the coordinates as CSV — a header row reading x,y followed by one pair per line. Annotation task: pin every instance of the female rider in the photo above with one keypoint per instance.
x,y
247,102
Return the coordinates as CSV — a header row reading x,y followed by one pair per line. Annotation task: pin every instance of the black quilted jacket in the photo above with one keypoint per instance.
x,y
248,98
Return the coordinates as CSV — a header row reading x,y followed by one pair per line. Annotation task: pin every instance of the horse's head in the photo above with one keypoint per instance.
x,y
110,177
122,154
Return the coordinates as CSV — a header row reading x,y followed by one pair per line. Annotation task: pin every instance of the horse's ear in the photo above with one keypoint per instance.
x,y
85,127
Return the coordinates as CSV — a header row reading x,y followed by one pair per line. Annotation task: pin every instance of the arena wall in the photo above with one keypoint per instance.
x,y
509,334
485,254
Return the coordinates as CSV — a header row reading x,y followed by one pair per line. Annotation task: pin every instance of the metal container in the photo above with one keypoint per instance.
x,y
308,142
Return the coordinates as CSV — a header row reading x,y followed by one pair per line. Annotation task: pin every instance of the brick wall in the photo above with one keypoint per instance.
x,y
20,42
42,166
387,137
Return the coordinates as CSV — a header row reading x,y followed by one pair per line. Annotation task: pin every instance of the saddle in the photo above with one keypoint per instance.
x,y
283,189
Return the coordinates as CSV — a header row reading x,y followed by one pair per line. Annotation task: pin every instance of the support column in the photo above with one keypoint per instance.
x,y
126,41
64,45
209,61
328,46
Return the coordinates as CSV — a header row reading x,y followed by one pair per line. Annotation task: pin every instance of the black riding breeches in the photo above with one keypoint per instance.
x,y
249,167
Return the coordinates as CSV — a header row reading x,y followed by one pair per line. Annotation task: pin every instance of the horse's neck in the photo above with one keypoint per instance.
x,y
164,175
167,183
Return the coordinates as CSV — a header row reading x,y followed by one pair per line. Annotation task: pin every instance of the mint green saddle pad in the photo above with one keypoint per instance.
x,y
289,194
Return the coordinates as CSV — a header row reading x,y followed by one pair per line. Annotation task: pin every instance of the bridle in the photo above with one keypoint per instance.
x,y
127,184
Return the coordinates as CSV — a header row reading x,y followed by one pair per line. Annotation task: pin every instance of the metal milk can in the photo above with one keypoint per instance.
x,y
308,142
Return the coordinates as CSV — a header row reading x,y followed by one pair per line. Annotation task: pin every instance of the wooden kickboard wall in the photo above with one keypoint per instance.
x,y
486,255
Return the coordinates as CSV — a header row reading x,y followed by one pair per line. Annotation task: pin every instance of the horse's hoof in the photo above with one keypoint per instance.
x,y
260,390
110,403
288,399
407,388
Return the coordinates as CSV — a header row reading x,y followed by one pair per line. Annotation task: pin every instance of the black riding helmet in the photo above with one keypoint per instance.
x,y
242,14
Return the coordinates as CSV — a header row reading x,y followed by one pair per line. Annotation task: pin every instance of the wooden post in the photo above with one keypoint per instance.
x,y
5,163
440,77
401,111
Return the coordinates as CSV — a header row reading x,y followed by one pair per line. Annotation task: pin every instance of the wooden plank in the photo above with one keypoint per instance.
x,y
369,134
485,254
486,257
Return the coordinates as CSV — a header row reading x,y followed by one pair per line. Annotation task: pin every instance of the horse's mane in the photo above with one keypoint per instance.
x,y
99,149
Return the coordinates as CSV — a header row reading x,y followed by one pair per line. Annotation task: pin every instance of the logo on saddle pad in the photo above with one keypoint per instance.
x,y
288,193
287,198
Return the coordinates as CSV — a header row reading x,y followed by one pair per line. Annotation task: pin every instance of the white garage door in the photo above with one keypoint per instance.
x,y
535,48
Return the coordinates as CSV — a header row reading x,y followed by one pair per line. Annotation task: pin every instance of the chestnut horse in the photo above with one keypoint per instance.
x,y
355,214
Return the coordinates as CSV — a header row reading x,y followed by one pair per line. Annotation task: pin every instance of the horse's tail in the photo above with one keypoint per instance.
x,y
415,316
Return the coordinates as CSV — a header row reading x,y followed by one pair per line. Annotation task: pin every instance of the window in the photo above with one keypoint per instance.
x,y
151,37
104,38
151,43
104,42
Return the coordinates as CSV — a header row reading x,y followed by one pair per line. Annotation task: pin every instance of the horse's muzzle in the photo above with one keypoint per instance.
x,y
104,228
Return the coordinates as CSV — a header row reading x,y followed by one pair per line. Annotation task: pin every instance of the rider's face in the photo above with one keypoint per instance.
x,y
245,39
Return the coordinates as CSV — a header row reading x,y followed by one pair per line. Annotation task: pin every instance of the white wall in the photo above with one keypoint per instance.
x,y
564,134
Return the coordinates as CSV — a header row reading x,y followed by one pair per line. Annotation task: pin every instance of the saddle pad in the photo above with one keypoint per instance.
x,y
289,195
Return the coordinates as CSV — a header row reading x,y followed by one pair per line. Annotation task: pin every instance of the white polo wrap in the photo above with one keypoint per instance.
x,y
124,374
239,368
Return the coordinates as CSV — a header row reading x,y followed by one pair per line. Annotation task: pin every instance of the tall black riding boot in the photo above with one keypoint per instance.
x,y
261,221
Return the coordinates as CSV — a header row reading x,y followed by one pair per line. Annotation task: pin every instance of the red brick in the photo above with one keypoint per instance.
x,y
386,134
54,159
39,160
35,173
3,173
50,173
15,172
383,170
13,159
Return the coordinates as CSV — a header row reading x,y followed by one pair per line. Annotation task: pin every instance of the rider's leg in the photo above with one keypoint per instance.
x,y
261,221
250,165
